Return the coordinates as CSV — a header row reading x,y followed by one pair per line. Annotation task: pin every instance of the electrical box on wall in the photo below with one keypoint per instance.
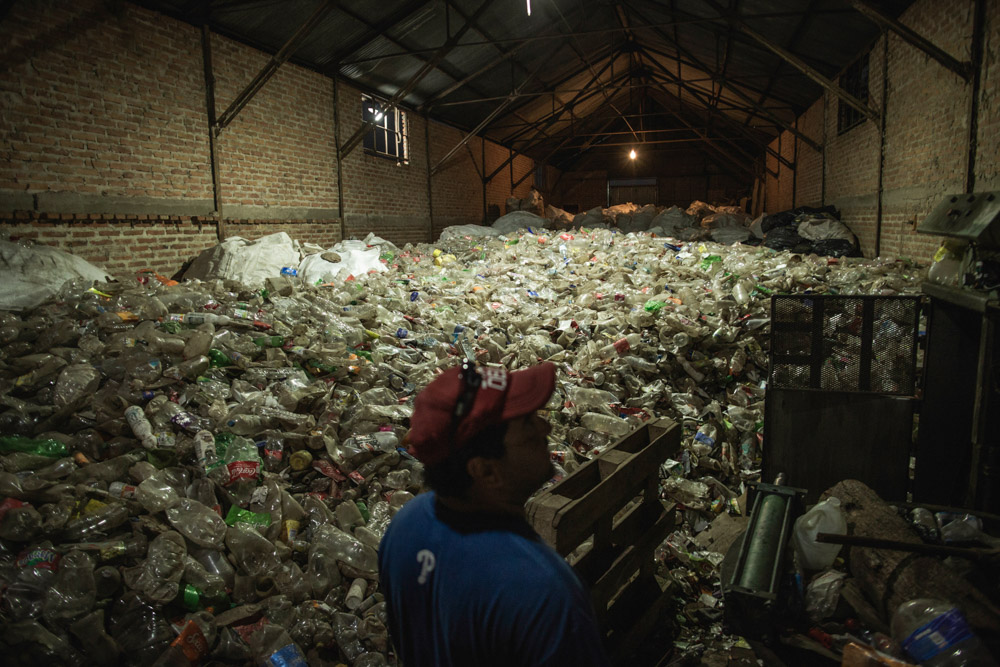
x,y
973,217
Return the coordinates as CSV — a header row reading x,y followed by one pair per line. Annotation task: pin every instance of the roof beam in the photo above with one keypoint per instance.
x,y
763,111
695,94
277,60
793,40
431,64
963,69
795,62
373,31
553,117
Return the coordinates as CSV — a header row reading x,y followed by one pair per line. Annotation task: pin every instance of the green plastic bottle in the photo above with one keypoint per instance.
x,y
218,358
16,443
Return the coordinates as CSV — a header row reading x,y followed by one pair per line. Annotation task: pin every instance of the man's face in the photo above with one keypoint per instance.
x,y
526,464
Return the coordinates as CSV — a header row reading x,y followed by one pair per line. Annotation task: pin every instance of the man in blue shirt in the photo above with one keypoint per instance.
x,y
467,580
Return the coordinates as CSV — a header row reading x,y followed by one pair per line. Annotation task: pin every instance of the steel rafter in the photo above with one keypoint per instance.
x,y
963,69
795,61
796,35
277,60
731,85
405,90
374,30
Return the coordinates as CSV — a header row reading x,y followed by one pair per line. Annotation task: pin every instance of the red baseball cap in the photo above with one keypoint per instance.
x,y
501,396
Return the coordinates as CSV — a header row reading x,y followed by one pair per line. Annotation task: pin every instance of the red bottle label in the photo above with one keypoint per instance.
x,y
242,470
41,559
329,470
9,504
622,345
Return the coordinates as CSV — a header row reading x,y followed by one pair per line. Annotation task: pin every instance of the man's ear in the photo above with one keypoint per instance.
x,y
484,472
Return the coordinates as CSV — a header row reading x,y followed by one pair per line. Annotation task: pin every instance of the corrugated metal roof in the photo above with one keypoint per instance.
x,y
561,55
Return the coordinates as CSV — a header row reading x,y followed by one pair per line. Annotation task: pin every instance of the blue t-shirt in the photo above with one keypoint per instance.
x,y
474,589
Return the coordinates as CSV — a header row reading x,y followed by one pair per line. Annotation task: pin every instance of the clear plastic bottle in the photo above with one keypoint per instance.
x,y
272,647
97,644
621,346
157,578
103,520
253,553
74,382
198,523
74,591
140,629
143,430
156,494
242,462
607,424
215,562
703,442
935,633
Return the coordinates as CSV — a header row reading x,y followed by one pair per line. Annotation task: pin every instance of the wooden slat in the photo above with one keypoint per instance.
x,y
594,503
631,560
573,522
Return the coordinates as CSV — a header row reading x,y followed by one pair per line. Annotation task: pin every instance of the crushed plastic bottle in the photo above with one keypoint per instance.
x,y
140,418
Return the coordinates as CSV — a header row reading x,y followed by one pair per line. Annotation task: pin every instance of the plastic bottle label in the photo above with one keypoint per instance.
x,y
937,636
701,437
622,345
287,656
39,559
239,470
122,490
367,442
9,504
328,470
192,642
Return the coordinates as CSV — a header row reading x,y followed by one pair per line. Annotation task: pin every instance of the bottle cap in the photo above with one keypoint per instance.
x,y
300,460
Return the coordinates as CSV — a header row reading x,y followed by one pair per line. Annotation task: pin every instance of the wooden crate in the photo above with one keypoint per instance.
x,y
607,518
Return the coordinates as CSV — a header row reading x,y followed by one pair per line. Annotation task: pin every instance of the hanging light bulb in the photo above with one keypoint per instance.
x,y
529,7
632,154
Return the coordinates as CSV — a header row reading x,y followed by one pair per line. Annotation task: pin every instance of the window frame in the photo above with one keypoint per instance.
x,y
855,80
392,124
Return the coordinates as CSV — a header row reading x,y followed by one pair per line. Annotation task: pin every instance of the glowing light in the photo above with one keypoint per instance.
x,y
529,7
632,154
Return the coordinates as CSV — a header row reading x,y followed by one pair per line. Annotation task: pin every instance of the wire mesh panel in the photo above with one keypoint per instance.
x,y
844,343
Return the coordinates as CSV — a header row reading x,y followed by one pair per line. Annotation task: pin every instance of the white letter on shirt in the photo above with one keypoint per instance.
x,y
426,559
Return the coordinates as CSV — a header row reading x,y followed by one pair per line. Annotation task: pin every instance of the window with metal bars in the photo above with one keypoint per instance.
x,y
854,80
388,136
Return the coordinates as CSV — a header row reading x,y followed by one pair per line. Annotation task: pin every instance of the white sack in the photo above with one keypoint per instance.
x,y
717,220
672,219
510,223
730,235
31,274
247,262
824,228
356,259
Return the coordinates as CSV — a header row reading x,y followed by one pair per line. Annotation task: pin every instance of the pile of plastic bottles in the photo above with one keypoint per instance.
x,y
204,470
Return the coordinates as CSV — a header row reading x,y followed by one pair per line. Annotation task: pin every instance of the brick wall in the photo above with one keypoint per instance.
x,y
457,187
105,148
121,244
80,124
987,164
279,153
499,188
926,135
925,160
582,189
809,162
